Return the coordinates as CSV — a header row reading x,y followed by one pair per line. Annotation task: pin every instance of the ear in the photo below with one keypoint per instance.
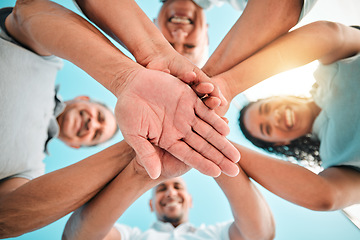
x,y
84,98
151,206
155,21
191,202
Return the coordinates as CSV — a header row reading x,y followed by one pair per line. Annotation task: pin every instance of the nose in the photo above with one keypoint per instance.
x,y
93,123
179,35
171,192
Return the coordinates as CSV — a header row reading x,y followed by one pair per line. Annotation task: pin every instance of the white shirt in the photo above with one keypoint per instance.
x,y
166,231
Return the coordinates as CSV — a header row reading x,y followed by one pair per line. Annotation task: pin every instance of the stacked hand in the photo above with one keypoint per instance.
x,y
157,108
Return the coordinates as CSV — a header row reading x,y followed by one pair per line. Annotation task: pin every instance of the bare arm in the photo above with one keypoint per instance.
x,y
135,31
51,29
95,219
261,22
333,189
253,217
32,205
326,41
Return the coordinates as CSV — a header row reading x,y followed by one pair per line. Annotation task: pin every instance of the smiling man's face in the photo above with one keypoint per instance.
x,y
85,123
171,201
183,24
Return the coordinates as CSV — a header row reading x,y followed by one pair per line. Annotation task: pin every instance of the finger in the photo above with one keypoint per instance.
x,y
147,155
210,152
211,102
209,116
202,77
203,88
217,140
188,77
225,119
193,159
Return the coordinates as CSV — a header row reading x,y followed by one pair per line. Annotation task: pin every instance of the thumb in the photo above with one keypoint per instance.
x,y
147,156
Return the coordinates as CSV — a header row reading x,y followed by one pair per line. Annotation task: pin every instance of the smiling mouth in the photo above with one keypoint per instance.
x,y
289,118
180,20
83,125
170,203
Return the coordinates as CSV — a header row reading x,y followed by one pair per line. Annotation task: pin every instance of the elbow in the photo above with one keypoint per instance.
x,y
266,233
327,200
330,31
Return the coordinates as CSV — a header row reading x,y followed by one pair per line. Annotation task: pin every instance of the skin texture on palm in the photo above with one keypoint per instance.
x,y
159,113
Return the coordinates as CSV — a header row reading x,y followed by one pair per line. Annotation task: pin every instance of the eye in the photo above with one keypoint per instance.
x,y
178,186
161,189
101,117
189,46
97,134
268,129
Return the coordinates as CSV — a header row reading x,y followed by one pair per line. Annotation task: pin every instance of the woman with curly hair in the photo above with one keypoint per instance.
x,y
303,148
330,119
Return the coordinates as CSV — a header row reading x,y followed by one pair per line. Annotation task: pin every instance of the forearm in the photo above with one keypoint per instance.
x,y
253,217
287,180
261,22
96,218
294,49
53,195
128,24
48,28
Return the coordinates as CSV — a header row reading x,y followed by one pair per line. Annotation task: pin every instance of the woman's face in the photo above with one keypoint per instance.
x,y
279,119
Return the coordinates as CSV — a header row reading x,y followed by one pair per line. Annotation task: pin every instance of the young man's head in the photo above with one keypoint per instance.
x,y
183,24
171,201
85,123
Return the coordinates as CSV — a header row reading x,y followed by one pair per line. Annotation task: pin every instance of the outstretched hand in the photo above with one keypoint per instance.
x,y
157,108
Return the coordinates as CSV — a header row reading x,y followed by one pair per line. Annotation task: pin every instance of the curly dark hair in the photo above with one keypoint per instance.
x,y
305,148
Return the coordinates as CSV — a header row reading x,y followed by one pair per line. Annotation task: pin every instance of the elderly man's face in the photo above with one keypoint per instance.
x,y
183,23
85,123
171,201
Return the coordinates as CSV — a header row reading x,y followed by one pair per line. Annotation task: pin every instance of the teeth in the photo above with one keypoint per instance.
x,y
289,118
180,20
172,204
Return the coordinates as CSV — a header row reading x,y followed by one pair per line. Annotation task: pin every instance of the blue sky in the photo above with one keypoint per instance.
x,y
210,205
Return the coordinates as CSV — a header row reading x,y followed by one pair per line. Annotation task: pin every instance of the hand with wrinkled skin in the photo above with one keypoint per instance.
x,y
156,108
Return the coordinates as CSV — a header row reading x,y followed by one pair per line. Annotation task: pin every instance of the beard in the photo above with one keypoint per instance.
x,y
175,221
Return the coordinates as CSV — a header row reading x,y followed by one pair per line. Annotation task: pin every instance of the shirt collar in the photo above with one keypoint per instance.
x,y
168,227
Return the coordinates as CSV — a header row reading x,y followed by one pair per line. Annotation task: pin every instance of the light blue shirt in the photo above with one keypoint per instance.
x,y
241,4
166,231
336,92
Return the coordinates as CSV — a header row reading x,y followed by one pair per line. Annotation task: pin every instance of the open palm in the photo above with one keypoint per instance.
x,y
157,108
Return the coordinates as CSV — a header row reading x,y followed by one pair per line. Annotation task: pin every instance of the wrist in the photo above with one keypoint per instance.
x,y
153,48
121,78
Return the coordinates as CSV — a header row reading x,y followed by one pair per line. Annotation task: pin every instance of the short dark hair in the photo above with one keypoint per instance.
x,y
305,148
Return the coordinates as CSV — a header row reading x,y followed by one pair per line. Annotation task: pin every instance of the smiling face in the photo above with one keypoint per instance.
x,y
280,119
85,123
171,202
183,24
